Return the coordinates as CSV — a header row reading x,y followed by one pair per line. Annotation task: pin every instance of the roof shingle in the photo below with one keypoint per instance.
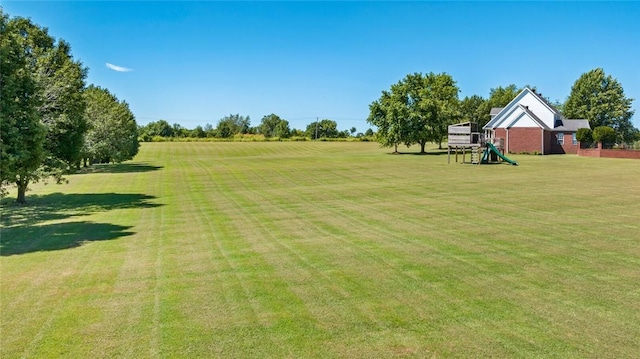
x,y
564,125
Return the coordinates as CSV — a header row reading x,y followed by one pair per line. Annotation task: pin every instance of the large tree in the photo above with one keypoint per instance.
x,y
274,126
22,133
52,97
389,115
600,98
471,109
417,109
231,125
322,129
113,132
160,128
62,109
61,81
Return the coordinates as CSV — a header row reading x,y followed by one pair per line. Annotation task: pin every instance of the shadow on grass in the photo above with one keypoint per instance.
x,y
22,227
119,168
483,164
428,153
57,206
51,237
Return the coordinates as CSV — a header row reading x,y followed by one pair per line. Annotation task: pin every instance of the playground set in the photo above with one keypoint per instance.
x,y
465,136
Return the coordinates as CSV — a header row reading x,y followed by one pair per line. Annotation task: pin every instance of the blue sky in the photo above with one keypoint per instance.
x,y
192,63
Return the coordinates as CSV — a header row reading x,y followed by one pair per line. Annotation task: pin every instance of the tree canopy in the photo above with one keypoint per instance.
x,y
600,98
62,108
417,109
390,116
231,125
41,104
498,97
49,119
22,133
323,129
471,109
113,131
160,128
274,126
604,134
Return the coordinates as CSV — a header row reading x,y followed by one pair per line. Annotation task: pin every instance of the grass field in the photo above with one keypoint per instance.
x,y
296,250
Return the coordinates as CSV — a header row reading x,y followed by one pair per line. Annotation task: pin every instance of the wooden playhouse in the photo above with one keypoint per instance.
x,y
465,137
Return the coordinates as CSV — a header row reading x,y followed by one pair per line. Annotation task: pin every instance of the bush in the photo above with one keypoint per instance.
x,y
161,139
604,134
247,137
584,135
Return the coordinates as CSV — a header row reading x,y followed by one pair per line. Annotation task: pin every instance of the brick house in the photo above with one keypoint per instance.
x,y
530,124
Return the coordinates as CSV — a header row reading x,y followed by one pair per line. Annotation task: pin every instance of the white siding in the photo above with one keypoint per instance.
x,y
518,118
509,117
525,121
539,108
512,111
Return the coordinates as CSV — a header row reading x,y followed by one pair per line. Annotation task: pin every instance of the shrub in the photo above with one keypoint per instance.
x,y
584,135
604,134
248,137
160,139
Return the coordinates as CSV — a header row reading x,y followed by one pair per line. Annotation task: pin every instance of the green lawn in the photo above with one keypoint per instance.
x,y
323,249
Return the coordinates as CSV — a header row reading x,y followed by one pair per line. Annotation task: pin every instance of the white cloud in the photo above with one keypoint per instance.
x,y
118,68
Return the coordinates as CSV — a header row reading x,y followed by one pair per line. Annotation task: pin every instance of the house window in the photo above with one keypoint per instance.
x,y
574,140
560,137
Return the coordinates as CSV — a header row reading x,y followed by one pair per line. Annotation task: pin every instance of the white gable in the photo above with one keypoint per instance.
x,y
524,120
512,114
539,108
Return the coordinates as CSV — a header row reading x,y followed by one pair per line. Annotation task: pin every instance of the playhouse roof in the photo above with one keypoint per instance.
x,y
468,123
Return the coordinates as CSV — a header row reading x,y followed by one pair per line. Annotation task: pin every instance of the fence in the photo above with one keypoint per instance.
x,y
608,150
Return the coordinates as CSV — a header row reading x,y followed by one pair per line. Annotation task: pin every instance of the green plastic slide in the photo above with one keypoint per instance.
x,y
491,147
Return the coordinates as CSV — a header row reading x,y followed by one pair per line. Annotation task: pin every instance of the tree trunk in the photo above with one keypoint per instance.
x,y
395,148
22,190
422,145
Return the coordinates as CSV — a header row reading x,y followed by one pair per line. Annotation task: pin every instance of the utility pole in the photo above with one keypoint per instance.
x,y
316,128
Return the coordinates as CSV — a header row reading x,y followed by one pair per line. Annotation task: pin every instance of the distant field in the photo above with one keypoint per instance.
x,y
325,250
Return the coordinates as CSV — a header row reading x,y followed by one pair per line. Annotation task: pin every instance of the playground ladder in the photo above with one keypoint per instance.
x,y
475,155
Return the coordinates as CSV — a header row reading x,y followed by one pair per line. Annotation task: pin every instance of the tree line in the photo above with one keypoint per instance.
x,y
51,122
419,108
271,126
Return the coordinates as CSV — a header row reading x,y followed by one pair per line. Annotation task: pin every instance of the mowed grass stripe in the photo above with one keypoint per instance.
x,y
230,250
265,210
94,273
130,318
339,250
49,297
